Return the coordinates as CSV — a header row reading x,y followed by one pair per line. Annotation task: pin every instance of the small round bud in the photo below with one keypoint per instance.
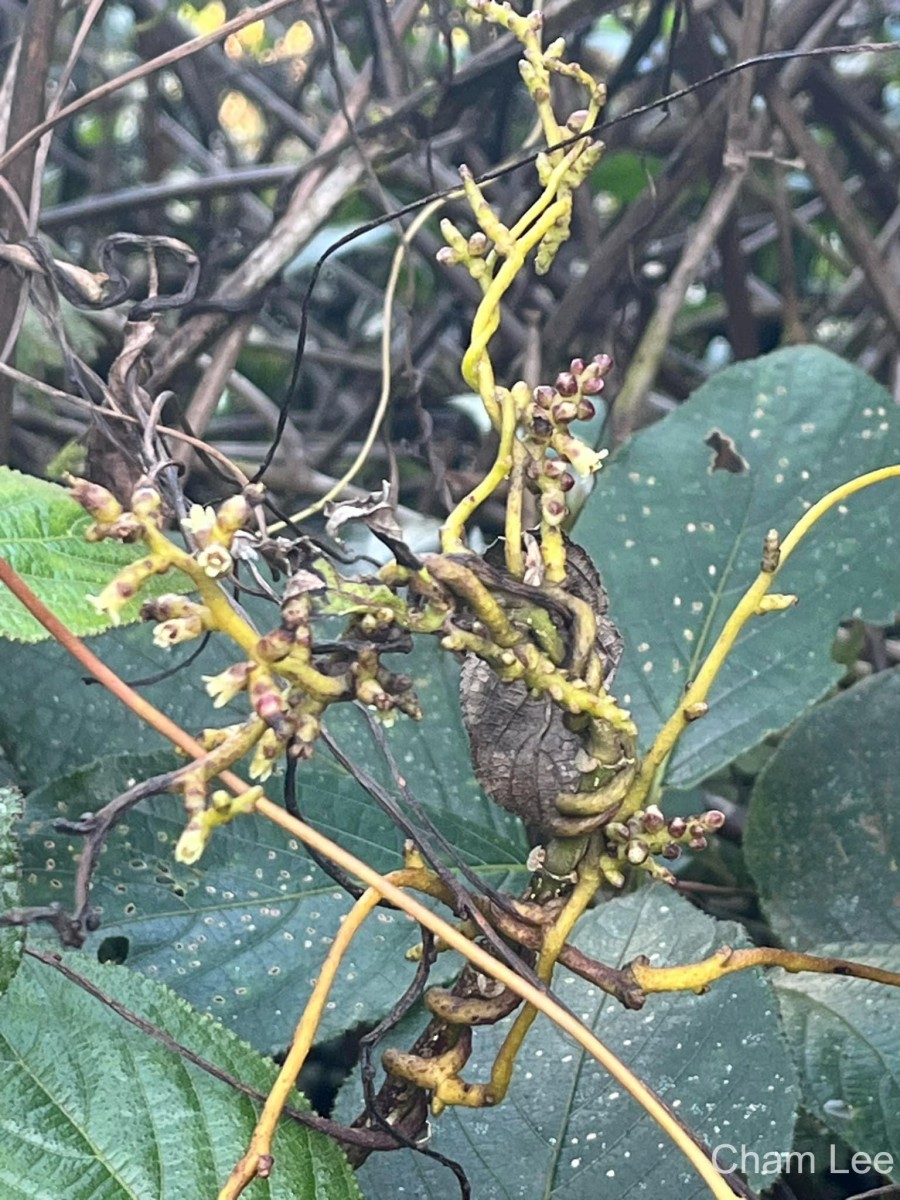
x,y
677,827
672,852
94,499
564,411
275,646
604,362
478,244
576,366
566,384
268,707
575,120
592,386
544,396
233,514
617,832
585,410
146,502
446,257
566,481
653,819
698,843
294,612
713,819
553,508
637,852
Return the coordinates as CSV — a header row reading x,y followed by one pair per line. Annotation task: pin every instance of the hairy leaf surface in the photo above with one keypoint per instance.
x,y
845,1037
42,537
823,834
677,545
92,1106
11,939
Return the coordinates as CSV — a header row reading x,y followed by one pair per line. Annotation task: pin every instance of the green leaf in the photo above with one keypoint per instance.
x,y
624,174
845,1038
566,1130
42,538
823,833
11,939
678,546
52,720
242,934
93,1107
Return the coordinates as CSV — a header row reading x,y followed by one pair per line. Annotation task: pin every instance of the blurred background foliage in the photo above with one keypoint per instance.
x,y
243,152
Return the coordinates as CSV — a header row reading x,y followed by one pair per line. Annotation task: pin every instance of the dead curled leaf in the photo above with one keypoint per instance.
x,y
523,750
375,511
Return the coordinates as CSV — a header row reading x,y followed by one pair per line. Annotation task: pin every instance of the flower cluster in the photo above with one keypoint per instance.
x,y
547,419
647,832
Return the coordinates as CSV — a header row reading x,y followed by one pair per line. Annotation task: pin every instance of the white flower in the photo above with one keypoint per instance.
x,y
215,561
199,522
178,629
227,685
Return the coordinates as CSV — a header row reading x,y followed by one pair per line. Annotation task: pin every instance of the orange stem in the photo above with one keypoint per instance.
x,y
103,674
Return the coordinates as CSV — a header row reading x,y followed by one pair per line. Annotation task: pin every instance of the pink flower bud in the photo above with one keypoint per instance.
x,y
604,362
94,499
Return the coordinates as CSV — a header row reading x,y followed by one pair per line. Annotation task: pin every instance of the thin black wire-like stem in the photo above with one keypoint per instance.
x,y
367,1044
332,870
369,1139
663,102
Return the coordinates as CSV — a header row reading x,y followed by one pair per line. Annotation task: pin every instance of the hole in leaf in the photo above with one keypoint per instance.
x,y
113,949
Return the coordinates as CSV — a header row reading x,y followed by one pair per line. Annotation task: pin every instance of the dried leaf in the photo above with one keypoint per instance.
x,y
523,751
375,510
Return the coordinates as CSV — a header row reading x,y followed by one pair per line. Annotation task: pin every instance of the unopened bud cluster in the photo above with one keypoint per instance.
x,y
212,533
179,619
291,710
547,418
648,833
287,685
